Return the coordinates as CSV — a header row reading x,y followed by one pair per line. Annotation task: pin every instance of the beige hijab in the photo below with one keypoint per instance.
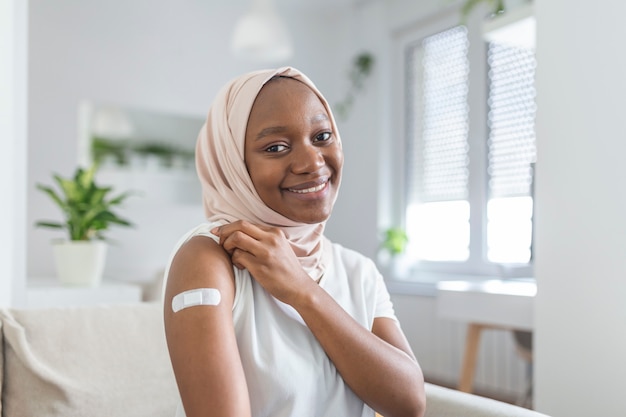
x,y
228,192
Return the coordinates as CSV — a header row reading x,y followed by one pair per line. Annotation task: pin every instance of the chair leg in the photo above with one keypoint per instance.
x,y
472,342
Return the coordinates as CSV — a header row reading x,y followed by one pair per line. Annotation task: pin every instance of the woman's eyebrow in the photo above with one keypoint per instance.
x,y
270,131
321,117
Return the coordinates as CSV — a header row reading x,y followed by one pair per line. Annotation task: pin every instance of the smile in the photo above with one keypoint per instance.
x,y
309,190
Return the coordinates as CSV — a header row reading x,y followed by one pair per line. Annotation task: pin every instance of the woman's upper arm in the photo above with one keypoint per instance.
x,y
201,339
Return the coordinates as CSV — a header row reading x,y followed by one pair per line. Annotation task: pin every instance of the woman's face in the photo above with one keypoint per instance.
x,y
291,152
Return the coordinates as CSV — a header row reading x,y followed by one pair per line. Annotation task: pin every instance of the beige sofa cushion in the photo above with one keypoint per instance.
x,y
445,402
87,361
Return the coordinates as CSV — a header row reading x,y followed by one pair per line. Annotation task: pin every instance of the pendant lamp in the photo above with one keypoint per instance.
x,y
261,36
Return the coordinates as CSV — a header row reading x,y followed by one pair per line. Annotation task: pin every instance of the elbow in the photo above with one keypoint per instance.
x,y
409,396
417,405
413,406
420,403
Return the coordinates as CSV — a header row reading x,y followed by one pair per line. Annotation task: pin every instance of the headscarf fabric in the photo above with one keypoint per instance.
x,y
228,192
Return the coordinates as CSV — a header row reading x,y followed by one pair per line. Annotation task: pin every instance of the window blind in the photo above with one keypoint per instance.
x,y
511,120
437,112
511,153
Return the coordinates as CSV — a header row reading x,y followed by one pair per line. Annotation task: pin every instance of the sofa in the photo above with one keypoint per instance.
x,y
103,361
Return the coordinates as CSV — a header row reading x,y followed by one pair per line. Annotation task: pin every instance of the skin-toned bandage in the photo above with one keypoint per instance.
x,y
196,297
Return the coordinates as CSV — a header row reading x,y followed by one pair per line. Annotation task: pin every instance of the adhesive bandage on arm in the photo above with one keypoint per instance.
x,y
196,297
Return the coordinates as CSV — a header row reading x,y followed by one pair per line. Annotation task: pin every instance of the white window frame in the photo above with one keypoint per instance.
x,y
477,264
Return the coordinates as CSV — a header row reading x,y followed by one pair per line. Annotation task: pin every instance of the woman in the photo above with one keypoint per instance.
x,y
263,315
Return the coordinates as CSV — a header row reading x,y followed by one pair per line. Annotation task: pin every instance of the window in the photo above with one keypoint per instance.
x,y
437,212
469,141
512,153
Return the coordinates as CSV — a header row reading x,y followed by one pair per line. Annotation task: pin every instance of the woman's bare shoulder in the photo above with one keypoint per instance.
x,y
200,262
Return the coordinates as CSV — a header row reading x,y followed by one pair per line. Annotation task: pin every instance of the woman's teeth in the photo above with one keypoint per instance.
x,y
309,190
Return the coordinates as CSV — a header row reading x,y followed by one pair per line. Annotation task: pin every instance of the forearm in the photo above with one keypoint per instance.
x,y
384,376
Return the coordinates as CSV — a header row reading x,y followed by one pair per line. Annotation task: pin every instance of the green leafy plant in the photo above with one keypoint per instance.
x,y
395,240
164,152
87,207
102,148
495,6
362,66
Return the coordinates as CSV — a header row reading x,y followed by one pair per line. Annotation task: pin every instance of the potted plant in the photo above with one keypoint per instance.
x,y
87,209
392,249
395,240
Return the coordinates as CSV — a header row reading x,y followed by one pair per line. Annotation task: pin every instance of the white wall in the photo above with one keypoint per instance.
x,y
581,205
165,56
13,32
354,222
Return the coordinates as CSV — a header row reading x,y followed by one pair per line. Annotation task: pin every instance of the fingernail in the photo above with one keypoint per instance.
x,y
216,231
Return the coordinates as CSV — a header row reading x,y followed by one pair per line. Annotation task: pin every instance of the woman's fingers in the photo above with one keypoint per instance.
x,y
244,236
240,238
253,230
242,259
266,253
258,240
237,240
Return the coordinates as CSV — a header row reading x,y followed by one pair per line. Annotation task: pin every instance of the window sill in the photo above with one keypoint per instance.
x,y
405,287
427,284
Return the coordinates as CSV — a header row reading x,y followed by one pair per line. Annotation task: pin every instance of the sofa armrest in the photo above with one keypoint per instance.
x,y
445,402
96,361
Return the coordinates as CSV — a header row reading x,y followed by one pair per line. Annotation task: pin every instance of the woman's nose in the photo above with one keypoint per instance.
x,y
306,159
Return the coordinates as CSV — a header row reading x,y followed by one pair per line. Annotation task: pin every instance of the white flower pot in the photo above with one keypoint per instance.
x,y
80,263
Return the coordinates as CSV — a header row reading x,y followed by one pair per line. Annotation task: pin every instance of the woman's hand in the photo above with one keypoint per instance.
x,y
392,382
267,255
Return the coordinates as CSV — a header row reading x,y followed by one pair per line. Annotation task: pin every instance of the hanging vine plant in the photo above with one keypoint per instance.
x,y
362,65
496,7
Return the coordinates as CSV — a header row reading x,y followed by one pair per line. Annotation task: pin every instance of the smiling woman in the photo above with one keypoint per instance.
x,y
298,316
293,156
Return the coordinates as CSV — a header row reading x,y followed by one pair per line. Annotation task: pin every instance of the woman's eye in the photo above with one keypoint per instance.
x,y
275,148
323,137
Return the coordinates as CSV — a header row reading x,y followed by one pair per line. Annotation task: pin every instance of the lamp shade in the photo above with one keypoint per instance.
x,y
261,36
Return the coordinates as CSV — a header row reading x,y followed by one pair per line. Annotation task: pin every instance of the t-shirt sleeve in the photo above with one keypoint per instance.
x,y
384,306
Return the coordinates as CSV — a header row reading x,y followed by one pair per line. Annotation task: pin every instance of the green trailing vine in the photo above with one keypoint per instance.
x,y
495,6
362,66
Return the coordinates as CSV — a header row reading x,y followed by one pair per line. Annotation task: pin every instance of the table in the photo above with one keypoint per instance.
x,y
485,304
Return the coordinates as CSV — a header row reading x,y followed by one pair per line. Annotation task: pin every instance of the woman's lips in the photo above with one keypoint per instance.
x,y
308,190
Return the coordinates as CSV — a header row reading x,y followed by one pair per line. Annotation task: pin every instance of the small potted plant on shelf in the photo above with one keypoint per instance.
x,y
87,210
392,250
395,240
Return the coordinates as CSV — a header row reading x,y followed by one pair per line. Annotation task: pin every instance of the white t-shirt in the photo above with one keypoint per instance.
x,y
287,371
